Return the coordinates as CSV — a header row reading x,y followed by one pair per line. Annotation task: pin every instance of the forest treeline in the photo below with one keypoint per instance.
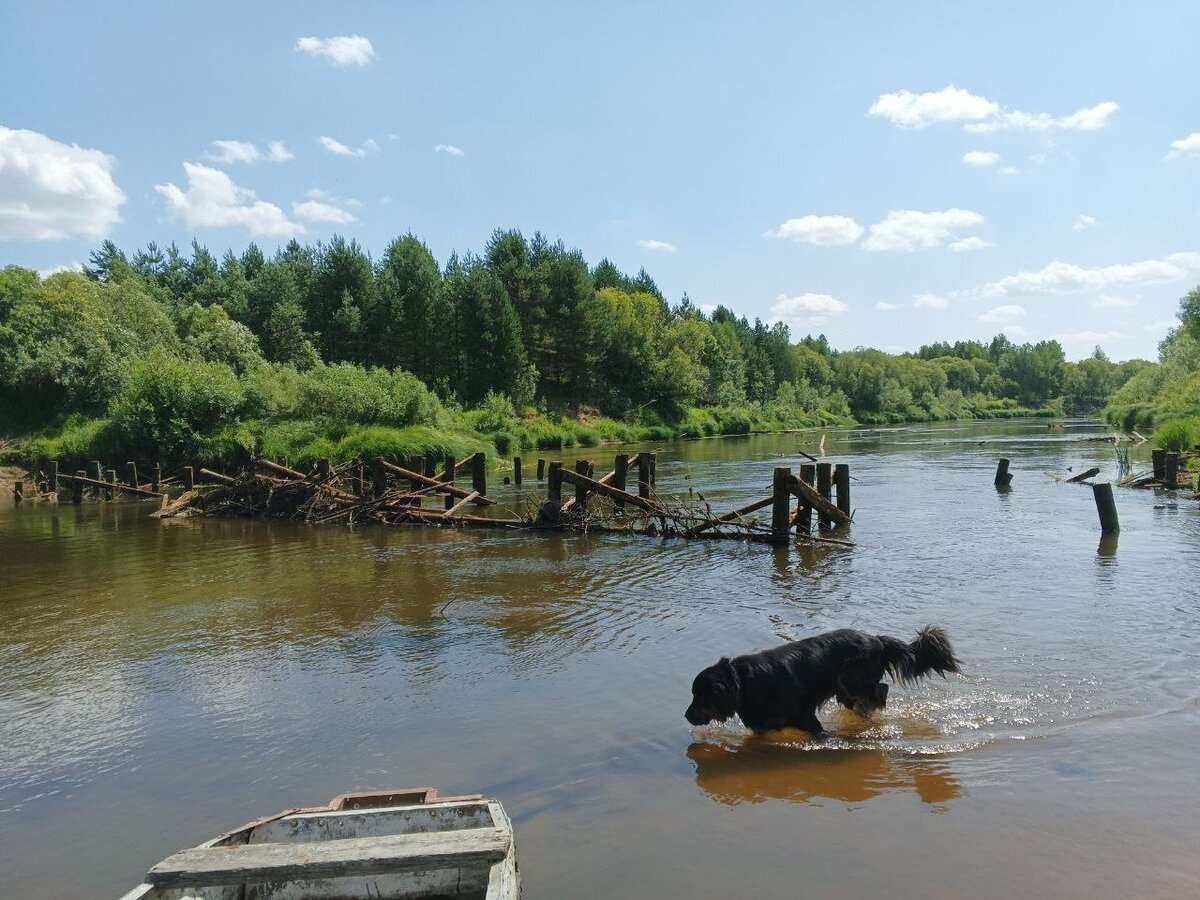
x,y
322,350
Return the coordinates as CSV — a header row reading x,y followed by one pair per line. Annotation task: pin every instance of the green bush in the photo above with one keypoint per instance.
x,y
1178,434
367,396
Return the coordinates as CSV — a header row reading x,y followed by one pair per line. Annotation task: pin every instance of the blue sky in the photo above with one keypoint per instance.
x,y
889,174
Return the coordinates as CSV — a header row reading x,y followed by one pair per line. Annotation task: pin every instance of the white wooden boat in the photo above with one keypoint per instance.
x,y
388,844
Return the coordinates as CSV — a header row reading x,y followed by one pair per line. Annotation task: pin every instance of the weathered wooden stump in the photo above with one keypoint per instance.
x,y
77,486
541,469
1158,459
1003,477
582,467
1106,506
189,478
110,492
825,489
841,478
479,474
131,478
781,505
18,492
448,478
52,476
644,475
378,478
808,474
517,469
1171,470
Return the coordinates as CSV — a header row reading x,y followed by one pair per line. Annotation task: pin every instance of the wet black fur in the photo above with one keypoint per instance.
x,y
783,687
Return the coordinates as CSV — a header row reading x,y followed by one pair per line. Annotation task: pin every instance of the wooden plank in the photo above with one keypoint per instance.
x,y
607,490
426,481
806,493
730,516
256,863
460,504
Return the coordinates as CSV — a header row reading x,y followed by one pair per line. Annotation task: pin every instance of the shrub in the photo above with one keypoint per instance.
x,y
1178,434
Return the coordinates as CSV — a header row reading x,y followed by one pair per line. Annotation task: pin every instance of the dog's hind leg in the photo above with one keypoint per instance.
x,y
860,686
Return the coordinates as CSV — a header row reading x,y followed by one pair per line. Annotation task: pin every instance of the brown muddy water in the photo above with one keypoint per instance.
x,y
161,682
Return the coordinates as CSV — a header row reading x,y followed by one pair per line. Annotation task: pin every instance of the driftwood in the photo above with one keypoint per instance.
x,y
1083,476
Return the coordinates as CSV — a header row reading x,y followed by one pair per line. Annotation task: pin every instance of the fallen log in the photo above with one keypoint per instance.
x,y
217,476
1083,476
437,484
612,493
83,479
730,516
813,498
460,504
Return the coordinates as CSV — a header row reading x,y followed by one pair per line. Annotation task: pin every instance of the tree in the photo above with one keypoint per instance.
x,y
402,317
488,333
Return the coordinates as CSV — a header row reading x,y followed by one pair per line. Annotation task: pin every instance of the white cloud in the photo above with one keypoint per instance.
x,y
887,307
929,301
1003,314
449,150
1010,170
344,50
212,200
337,148
824,231
805,310
1082,222
970,243
73,266
908,110
245,152
1107,301
979,114
1089,118
910,229
660,246
1090,337
981,158
50,191
1014,331
1065,278
318,194
1188,146
316,211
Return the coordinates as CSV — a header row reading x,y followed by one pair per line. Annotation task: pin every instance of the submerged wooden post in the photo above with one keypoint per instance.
x,y
841,478
541,469
1171,470
781,505
643,474
378,478
582,467
479,474
1106,507
620,473
110,492
825,489
1158,459
77,486
517,469
189,478
554,488
156,478
808,474
52,476
448,477
1003,477
132,477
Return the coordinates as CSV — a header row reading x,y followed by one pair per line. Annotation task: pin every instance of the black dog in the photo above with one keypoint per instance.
x,y
783,687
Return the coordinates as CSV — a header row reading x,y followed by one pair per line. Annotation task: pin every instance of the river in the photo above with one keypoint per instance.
x,y
161,682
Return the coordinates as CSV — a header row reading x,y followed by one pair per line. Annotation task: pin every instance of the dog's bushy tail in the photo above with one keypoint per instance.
x,y
930,652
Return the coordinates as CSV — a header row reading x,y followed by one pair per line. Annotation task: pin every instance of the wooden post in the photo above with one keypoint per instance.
x,y
132,478
841,478
479,474
1158,458
156,478
654,470
643,474
541,469
285,460
52,477
582,467
1171,471
99,476
554,488
808,474
18,492
825,489
77,486
1106,507
620,473
517,469
360,479
781,505
418,465
323,468
110,492
430,466
378,478
1003,477
448,478
189,478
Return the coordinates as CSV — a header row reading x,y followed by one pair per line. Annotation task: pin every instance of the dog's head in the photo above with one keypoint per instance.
x,y
714,694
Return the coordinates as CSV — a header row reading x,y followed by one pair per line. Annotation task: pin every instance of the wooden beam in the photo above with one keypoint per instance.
x,y
80,479
426,481
216,476
730,516
1083,476
264,463
599,487
460,504
316,860
806,493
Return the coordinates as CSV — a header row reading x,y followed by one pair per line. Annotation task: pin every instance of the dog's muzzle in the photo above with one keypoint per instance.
x,y
698,716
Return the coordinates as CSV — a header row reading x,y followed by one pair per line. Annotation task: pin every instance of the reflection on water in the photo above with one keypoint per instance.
x,y
161,682
791,767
